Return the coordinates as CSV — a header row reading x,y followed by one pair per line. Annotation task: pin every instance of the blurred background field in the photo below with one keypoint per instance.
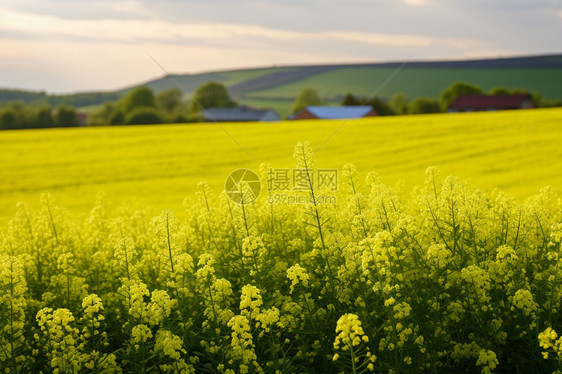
x,y
517,151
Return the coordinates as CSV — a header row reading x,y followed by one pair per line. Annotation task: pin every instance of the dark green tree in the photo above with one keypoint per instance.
x,y
211,95
380,106
7,119
307,97
102,117
422,105
66,116
144,116
23,116
349,99
399,103
139,97
169,100
499,91
450,93
43,117
117,117
179,117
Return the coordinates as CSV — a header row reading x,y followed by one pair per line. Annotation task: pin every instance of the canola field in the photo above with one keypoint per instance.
x,y
381,277
516,151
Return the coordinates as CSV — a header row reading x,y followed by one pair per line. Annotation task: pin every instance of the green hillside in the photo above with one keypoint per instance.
x,y
415,82
190,82
517,151
276,87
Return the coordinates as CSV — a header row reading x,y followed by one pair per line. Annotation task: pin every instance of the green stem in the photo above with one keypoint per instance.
x,y
52,221
169,241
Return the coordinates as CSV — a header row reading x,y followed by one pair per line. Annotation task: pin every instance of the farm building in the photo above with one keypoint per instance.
x,y
473,103
240,114
333,112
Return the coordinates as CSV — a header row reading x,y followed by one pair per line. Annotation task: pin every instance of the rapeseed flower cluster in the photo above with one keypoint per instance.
x,y
351,342
242,345
297,275
349,332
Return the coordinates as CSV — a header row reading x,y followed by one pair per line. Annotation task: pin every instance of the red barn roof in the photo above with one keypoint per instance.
x,y
483,102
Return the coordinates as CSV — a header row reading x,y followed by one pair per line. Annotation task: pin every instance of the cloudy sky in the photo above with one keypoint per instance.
x,y
77,45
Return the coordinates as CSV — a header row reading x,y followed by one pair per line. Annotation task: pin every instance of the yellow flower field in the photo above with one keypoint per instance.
x,y
441,277
517,151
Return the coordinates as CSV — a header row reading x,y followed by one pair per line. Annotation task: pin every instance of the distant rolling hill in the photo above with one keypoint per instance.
x,y
277,87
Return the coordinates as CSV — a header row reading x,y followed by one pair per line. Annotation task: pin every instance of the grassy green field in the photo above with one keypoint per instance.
x,y
415,82
517,151
283,107
190,82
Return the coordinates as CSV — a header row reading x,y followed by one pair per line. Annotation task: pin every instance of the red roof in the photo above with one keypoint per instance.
x,y
488,101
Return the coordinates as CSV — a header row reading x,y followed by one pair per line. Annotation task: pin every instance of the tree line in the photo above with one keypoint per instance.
x,y
399,104
142,106
17,115
139,106
42,98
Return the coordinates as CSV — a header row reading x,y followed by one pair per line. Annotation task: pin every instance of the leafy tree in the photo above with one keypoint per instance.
x,y
349,99
144,116
543,102
22,115
117,117
139,97
307,97
423,105
499,91
211,95
17,115
180,117
380,106
454,90
66,116
7,119
43,117
399,103
102,117
169,100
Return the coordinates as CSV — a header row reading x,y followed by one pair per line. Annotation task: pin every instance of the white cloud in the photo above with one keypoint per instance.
x,y
68,66
39,51
159,30
416,2
122,6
